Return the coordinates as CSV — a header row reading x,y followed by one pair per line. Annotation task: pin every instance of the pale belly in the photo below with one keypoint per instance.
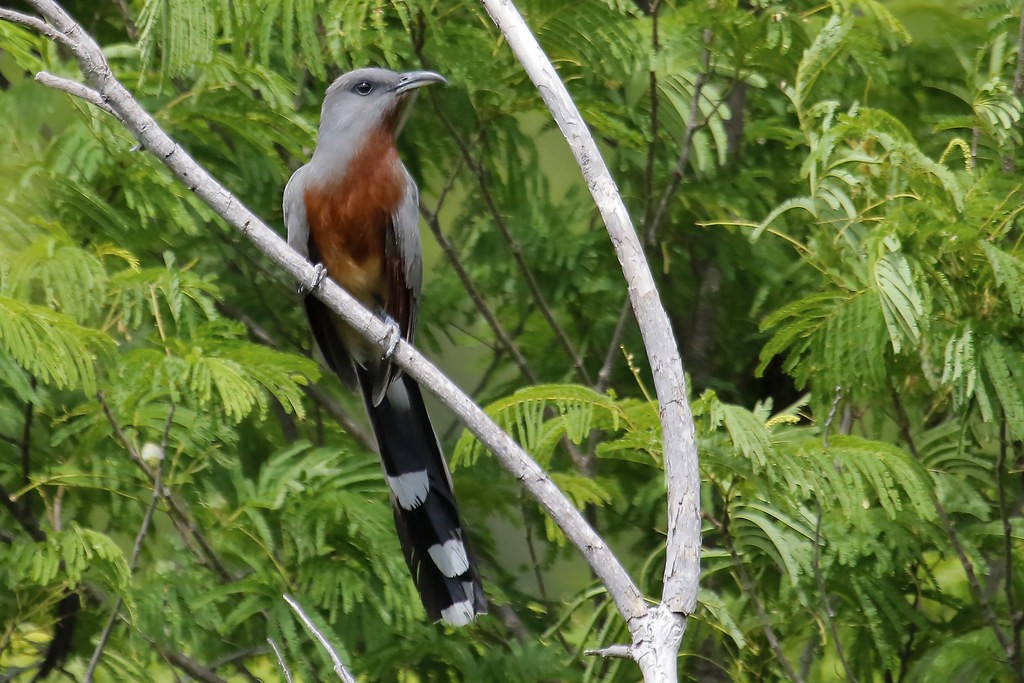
x,y
365,282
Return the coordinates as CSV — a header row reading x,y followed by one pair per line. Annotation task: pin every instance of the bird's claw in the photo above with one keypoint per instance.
x,y
319,273
391,338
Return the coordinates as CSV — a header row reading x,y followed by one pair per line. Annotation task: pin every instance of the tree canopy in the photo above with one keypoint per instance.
x,y
829,193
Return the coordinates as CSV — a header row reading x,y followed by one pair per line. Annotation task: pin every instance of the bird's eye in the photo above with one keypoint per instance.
x,y
363,88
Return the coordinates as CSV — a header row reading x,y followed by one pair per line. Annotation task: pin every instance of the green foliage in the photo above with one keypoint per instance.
x,y
577,411
50,345
860,263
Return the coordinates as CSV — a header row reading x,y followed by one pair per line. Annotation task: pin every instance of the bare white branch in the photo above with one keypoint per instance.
x,y
339,667
280,660
34,23
682,474
620,651
75,89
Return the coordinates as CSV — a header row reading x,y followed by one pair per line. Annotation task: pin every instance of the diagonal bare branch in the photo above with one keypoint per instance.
x,y
34,23
280,660
343,673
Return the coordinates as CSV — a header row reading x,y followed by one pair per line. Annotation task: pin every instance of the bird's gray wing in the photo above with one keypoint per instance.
x,y
322,321
294,206
405,257
403,263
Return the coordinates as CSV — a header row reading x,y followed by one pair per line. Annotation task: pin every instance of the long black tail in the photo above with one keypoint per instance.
x,y
423,502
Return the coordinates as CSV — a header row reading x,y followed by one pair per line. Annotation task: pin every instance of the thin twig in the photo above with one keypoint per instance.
x,y
683,161
22,516
34,23
75,89
807,655
129,24
827,427
820,578
1004,515
280,660
581,461
26,447
136,549
975,136
484,379
513,623
748,587
69,604
238,655
513,245
533,554
908,646
652,77
604,377
57,508
477,298
183,521
1018,71
620,651
341,416
475,295
1018,88
516,250
190,666
977,592
248,675
339,667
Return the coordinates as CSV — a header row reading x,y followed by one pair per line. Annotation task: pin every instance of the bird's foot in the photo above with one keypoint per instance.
x,y
391,338
319,273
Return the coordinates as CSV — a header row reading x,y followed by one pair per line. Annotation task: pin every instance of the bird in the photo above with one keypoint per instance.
x,y
352,210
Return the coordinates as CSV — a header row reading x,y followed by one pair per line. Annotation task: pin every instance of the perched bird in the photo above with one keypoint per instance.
x,y
353,212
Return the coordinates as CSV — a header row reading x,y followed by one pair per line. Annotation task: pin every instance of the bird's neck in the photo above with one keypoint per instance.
x,y
340,140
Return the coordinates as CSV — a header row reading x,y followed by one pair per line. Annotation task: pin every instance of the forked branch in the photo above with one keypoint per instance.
x,y
153,139
656,630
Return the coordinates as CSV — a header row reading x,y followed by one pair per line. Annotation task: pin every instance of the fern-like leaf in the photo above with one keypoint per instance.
x,y
51,345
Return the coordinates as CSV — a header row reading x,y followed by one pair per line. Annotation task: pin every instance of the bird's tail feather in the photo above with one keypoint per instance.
x,y
426,516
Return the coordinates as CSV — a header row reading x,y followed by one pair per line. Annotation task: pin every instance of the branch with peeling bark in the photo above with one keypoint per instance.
x,y
657,630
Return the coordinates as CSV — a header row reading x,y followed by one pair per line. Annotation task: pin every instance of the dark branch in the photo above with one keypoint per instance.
x,y
977,592
29,523
183,521
133,563
513,245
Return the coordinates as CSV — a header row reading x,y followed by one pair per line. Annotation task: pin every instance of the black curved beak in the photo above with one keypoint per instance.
x,y
417,79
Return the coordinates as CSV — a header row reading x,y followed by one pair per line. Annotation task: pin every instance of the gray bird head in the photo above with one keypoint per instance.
x,y
370,96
